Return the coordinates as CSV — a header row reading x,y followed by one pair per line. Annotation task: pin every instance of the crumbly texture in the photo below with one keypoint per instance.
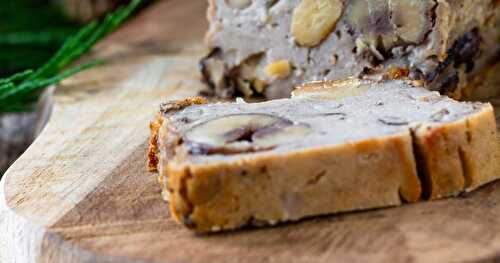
x,y
352,145
447,44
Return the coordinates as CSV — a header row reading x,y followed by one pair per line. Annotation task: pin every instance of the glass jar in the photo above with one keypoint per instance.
x,y
19,130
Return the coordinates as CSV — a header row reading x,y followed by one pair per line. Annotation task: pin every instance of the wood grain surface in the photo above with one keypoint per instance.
x,y
81,193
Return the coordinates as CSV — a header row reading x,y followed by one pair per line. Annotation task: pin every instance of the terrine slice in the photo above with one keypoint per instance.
x,y
265,47
332,147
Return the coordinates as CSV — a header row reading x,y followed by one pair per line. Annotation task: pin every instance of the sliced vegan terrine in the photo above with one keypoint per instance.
x,y
265,47
332,147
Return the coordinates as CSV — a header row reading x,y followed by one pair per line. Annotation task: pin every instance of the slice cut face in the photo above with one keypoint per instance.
x,y
333,147
237,133
335,39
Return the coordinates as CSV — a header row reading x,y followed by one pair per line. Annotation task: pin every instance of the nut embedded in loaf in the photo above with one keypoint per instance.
x,y
334,39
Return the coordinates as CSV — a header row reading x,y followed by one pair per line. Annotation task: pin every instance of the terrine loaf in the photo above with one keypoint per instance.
x,y
332,147
265,47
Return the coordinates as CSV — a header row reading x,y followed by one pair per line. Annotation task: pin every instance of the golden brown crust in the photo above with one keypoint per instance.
x,y
458,156
439,148
480,154
157,123
178,105
153,152
274,188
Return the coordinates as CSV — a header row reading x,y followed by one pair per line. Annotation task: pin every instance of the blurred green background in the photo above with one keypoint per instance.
x,y
30,32
40,42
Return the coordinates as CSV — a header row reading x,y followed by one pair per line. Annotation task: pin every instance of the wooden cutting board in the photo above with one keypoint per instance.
x,y
81,193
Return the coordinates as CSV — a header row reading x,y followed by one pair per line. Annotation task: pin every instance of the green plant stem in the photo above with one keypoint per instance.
x,y
16,77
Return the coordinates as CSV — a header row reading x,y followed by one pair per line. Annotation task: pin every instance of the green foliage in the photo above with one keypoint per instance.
x,y
30,32
35,15
21,91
